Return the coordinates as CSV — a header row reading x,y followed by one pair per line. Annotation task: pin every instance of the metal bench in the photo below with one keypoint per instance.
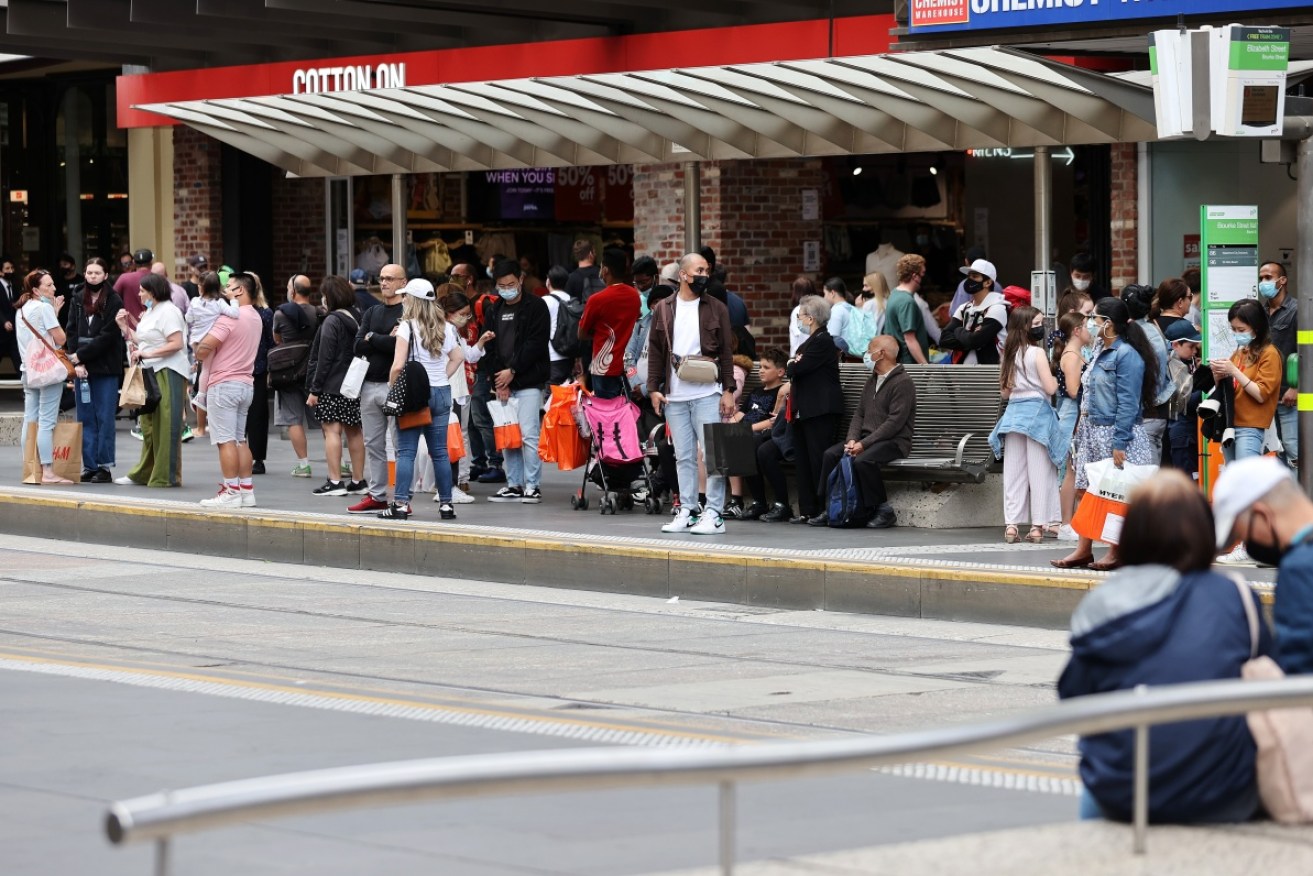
x,y
956,409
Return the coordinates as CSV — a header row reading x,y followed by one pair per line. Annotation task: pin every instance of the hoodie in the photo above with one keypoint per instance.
x,y
975,333
1152,625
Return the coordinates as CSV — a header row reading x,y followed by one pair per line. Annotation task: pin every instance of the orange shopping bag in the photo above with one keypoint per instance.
x,y
506,424
455,440
1103,510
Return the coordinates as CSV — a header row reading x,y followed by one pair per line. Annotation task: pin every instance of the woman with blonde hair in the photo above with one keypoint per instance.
x,y
425,335
873,297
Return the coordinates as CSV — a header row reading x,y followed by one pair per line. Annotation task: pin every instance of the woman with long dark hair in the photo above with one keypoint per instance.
x,y
1119,385
35,318
1028,430
96,349
338,416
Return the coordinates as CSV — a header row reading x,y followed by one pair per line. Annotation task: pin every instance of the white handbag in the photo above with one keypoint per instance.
x,y
355,377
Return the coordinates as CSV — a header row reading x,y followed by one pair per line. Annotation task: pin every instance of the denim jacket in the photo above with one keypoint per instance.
x,y
1112,390
1165,386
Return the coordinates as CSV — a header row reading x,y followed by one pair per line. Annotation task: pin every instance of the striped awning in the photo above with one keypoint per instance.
x,y
948,100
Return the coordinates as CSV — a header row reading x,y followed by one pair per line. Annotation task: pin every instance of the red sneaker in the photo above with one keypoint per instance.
x,y
367,505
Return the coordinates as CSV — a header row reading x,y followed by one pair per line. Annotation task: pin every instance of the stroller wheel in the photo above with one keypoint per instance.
x,y
608,505
574,502
653,505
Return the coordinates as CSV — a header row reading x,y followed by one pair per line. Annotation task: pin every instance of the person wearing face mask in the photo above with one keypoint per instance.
x,y
9,292
816,396
96,350
975,333
1073,348
1084,269
1183,432
460,313
1029,430
1117,387
902,318
338,416
690,366
1282,313
517,366
880,432
1259,501
35,316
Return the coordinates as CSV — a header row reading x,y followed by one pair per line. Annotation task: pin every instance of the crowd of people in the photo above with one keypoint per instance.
x,y
1117,378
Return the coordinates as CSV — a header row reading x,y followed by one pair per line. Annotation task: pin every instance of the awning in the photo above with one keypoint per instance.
x,y
948,100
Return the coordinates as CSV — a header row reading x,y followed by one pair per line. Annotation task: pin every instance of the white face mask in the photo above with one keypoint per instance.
x,y
1080,285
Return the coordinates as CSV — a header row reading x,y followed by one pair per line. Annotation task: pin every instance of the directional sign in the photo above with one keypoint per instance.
x,y
1067,155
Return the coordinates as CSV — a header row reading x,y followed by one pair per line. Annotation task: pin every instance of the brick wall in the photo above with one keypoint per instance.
x,y
197,207
1124,212
298,229
752,218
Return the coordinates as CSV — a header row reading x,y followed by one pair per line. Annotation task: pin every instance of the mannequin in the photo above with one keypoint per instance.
x,y
884,260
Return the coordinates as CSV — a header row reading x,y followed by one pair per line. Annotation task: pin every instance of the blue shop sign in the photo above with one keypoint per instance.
x,y
931,16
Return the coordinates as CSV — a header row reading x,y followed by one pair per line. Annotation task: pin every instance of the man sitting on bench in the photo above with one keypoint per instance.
x,y
880,432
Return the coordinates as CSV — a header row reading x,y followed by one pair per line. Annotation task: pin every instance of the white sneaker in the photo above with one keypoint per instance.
x,y
710,523
1066,533
125,481
248,498
684,521
458,497
224,499
1237,557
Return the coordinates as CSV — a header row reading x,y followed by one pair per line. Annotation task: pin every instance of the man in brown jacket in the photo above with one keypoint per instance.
x,y
881,431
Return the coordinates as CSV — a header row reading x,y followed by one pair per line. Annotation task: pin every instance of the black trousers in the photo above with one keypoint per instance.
x,y
770,461
9,349
257,419
560,372
810,438
866,466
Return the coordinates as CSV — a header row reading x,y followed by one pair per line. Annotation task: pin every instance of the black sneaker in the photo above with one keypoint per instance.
x,y
395,512
330,488
734,509
532,497
355,488
102,476
778,513
446,511
508,494
753,511
257,467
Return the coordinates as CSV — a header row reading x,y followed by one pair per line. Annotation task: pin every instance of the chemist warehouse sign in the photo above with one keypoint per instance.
x,y
928,16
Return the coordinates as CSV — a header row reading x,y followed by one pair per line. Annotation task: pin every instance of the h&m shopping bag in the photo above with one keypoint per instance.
x,y
66,459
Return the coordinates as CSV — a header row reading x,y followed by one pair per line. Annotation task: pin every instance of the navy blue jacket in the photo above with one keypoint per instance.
x,y
1151,625
1293,611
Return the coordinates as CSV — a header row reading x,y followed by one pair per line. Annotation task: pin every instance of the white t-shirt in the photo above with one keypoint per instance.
x,y
686,340
157,324
553,300
43,319
796,337
436,366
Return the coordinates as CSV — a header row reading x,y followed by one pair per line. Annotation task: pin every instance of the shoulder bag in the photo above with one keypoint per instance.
x,y
409,393
691,369
44,363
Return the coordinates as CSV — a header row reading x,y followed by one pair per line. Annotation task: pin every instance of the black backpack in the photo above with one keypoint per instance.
x,y
565,340
592,285
289,362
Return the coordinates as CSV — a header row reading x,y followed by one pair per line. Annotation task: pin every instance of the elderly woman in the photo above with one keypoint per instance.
x,y
96,347
816,403
157,345
1143,627
35,318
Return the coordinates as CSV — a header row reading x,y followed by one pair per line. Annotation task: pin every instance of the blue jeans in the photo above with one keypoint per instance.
x,y
435,436
1068,413
1248,442
607,387
1288,426
523,467
686,420
41,406
97,419
482,446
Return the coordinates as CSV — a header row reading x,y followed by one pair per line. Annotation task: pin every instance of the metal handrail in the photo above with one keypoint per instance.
x,y
160,817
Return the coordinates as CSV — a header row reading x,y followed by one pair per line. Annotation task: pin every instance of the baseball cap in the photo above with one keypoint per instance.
x,y
1182,330
421,288
1241,484
983,267
198,261
358,275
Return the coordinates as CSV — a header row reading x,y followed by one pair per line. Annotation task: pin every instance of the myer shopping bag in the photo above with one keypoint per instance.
x,y
1103,510
730,449
506,424
455,440
66,459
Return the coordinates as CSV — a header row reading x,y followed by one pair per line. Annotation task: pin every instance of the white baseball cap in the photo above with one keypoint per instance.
x,y
985,268
421,288
1241,484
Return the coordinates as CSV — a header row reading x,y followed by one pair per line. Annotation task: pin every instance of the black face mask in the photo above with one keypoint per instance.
x,y
699,284
1037,333
971,287
1267,554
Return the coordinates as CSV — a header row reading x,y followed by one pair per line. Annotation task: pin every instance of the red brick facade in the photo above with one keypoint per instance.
x,y
298,229
752,218
1124,213
197,198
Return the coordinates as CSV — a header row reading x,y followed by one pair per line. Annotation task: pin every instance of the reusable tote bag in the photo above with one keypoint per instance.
x,y
506,424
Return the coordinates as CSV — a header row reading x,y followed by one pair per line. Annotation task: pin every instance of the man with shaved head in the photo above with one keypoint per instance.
x,y
880,432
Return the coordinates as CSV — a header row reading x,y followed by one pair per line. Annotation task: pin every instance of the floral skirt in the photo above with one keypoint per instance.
x,y
1094,443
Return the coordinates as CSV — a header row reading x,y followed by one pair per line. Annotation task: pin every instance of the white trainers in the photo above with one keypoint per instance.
x,y
458,497
710,523
1066,533
684,522
248,498
126,481
1237,557
225,498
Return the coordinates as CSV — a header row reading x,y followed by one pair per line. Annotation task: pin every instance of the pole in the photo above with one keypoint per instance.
x,y
399,219
727,819
1044,223
1304,278
692,206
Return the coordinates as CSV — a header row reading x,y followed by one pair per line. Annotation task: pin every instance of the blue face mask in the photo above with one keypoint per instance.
x,y
1242,339
802,327
1267,289
1092,326
1087,353
509,294
150,302
866,360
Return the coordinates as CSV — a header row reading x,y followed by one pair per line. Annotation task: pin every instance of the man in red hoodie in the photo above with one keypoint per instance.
x,y
609,318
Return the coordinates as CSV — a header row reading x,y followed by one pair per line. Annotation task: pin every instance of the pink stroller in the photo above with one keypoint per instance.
x,y
616,457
